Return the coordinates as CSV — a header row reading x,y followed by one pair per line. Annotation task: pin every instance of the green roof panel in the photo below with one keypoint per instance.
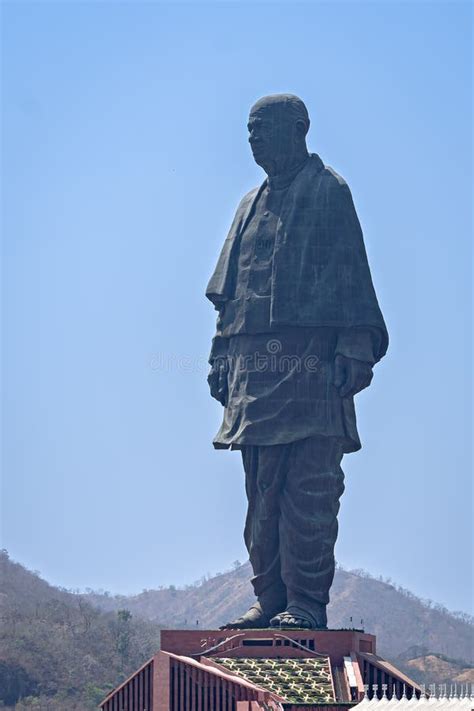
x,y
298,681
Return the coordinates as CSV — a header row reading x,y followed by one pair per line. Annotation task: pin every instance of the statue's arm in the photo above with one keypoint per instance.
x,y
353,364
359,347
218,361
354,359
367,339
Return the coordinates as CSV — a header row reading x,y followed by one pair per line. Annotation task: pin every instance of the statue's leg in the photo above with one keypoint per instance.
x,y
308,530
265,472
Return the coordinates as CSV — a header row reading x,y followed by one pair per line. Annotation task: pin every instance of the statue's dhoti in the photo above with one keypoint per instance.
x,y
293,495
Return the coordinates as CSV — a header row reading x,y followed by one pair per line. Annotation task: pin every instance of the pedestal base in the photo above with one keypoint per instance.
x,y
250,670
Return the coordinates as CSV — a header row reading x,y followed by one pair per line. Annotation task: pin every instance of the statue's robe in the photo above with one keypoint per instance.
x,y
318,301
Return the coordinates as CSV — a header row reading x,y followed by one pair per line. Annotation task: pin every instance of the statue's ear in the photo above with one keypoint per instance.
x,y
301,129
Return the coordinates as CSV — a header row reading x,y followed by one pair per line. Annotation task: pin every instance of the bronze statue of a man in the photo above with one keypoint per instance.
x,y
298,332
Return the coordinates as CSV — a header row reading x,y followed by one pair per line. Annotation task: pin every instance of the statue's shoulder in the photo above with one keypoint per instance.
x,y
242,210
333,179
248,197
319,175
245,202
332,176
334,187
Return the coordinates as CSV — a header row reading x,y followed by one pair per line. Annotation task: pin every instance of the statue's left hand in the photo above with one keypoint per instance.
x,y
217,380
351,376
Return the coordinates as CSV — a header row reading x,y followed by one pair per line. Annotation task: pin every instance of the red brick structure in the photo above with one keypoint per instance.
x,y
256,670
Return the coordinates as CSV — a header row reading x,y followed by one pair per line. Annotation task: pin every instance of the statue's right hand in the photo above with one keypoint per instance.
x,y
217,380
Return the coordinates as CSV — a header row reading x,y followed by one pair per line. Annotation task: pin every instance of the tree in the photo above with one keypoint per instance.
x,y
123,635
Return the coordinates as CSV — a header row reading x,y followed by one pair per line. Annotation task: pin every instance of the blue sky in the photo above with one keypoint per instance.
x,y
124,156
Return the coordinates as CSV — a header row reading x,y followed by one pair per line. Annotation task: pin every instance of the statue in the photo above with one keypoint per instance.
x,y
298,332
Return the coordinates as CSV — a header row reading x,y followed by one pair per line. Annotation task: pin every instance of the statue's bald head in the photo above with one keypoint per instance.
x,y
278,125
286,107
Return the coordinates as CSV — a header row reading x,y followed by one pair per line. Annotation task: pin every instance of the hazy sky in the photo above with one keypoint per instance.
x,y
125,155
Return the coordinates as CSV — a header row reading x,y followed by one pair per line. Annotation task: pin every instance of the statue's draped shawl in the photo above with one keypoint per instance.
x,y
320,274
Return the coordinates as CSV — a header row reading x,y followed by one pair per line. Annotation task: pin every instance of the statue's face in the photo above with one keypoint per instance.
x,y
271,137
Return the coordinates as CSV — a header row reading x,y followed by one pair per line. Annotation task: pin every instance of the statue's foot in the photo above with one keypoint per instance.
x,y
254,618
297,618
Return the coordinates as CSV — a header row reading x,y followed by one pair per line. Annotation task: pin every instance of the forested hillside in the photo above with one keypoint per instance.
x,y
58,648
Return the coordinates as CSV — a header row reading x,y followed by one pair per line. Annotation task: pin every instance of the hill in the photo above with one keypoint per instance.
x,y
56,646
435,666
400,620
